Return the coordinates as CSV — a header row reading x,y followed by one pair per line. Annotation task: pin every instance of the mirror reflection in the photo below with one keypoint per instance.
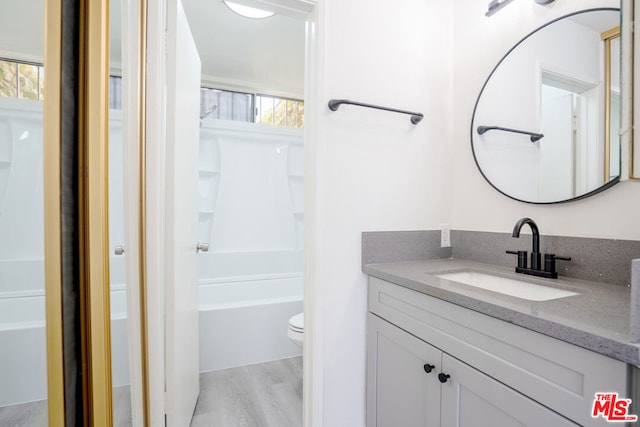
x,y
23,347
545,126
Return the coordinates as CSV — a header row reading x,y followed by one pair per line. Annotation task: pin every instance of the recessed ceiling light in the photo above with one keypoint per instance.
x,y
247,11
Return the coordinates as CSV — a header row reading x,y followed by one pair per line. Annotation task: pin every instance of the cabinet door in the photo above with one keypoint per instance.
x,y
473,399
399,390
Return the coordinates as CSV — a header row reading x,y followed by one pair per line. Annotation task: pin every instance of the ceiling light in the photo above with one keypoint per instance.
x,y
247,11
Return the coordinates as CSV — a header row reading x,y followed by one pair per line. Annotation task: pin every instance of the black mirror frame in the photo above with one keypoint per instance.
x,y
605,186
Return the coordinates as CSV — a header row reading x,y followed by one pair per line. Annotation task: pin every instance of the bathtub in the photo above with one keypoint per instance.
x,y
22,301
243,320
244,316
23,359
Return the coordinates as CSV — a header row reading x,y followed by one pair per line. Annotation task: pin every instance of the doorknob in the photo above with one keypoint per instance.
x,y
202,247
118,250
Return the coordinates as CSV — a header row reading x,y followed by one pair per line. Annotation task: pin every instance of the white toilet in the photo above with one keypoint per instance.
x,y
296,329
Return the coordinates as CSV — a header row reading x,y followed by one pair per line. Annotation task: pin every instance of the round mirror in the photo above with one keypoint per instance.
x,y
545,125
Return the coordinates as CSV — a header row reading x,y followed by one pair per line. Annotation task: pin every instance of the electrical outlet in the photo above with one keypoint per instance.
x,y
445,236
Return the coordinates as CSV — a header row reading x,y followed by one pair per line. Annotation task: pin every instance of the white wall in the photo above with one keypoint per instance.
x,y
21,30
374,169
22,25
479,43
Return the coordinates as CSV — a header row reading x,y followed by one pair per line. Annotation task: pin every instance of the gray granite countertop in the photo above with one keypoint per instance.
x,y
597,318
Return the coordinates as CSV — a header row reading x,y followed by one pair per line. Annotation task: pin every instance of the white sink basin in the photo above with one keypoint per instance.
x,y
507,286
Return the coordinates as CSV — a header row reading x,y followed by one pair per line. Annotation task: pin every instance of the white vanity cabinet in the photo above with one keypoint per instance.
x,y
402,393
499,374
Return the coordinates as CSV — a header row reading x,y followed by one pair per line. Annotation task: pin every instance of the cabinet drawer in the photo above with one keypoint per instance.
x,y
559,375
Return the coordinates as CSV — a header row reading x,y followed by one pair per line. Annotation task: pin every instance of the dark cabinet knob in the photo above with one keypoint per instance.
x,y
443,377
428,368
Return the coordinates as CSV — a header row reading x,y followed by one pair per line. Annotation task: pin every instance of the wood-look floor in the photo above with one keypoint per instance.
x,y
263,395
24,414
34,414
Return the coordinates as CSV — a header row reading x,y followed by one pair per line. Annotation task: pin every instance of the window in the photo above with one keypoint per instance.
x,y
249,107
227,105
21,80
24,80
279,111
115,92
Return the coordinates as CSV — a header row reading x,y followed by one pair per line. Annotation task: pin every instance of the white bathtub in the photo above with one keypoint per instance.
x,y
23,360
244,317
22,301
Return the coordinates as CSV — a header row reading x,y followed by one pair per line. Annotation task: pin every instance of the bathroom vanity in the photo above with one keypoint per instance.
x,y
452,341
442,352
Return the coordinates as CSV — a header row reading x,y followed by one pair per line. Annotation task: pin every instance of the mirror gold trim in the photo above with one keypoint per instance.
x,y
142,208
93,195
52,220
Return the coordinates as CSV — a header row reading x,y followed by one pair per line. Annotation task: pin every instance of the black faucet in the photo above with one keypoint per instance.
x,y
535,239
536,269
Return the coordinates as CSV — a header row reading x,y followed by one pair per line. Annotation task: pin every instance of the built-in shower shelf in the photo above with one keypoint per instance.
x,y
205,212
298,213
296,176
5,162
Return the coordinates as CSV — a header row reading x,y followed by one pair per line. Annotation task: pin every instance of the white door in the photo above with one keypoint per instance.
x,y
182,124
557,149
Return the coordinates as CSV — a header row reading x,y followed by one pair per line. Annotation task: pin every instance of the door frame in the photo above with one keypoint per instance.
x,y
155,198
154,201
